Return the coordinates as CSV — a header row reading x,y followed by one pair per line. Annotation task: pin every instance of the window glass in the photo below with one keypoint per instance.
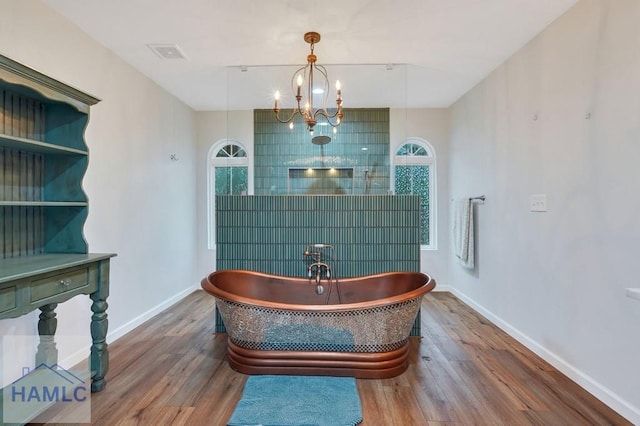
x,y
231,151
231,180
414,171
412,149
414,180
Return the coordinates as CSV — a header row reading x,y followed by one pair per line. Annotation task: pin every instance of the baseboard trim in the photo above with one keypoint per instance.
x,y
140,319
81,355
442,288
618,404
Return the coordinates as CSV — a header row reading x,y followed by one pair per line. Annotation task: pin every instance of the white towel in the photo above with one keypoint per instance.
x,y
463,240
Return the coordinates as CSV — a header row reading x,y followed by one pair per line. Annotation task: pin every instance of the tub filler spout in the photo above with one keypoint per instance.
x,y
317,270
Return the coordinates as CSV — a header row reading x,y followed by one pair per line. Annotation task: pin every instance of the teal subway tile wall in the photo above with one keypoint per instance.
x,y
356,161
370,234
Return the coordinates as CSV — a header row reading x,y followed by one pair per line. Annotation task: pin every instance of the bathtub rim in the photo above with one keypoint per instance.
x,y
206,284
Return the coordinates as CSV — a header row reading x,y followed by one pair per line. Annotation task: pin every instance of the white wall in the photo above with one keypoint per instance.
x,y
557,280
431,125
141,203
212,127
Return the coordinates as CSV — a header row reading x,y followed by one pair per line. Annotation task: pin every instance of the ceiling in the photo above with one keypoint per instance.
x,y
413,53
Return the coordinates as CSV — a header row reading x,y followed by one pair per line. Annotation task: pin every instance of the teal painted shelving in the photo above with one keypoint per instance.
x,y
35,146
43,159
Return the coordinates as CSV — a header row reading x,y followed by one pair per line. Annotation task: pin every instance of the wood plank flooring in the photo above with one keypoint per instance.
x,y
172,370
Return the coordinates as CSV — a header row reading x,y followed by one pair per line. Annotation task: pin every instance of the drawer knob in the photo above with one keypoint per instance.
x,y
65,282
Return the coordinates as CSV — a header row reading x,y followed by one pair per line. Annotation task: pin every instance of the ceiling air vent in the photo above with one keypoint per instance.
x,y
167,51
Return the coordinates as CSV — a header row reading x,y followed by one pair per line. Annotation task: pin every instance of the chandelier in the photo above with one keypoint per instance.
x,y
306,109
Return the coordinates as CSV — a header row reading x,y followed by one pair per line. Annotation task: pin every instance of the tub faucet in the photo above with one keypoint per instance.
x,y
316,269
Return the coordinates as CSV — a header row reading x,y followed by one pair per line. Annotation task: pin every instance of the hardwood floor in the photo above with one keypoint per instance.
x,y
172,370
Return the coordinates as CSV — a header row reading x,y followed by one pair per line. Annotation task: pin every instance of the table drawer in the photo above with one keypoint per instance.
x,y
8,298
59,283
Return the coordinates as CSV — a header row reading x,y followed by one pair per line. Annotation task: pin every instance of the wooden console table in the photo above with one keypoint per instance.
x,y
41,282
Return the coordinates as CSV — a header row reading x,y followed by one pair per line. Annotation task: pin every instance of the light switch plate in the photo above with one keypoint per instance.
x,y
538,202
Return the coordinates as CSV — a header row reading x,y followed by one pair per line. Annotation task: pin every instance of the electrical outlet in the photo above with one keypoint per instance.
x,y
538,202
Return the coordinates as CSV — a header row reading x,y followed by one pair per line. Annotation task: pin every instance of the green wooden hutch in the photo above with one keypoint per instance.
x,y
44,257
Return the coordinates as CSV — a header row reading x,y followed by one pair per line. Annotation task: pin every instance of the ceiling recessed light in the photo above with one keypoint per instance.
x,y
318,91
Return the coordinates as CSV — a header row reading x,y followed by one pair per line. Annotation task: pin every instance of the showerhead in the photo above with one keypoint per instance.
x,y
320,140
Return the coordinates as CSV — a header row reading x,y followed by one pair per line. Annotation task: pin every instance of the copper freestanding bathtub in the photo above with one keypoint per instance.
x,y
279,325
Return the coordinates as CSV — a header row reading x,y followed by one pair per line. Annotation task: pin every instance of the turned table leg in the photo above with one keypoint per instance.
x,y
47,353
99,351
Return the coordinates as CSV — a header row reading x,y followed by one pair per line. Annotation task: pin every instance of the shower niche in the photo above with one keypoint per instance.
x,y
320,181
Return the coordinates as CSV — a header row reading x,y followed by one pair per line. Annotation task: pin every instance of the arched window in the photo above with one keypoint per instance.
x,y
228,169
414,172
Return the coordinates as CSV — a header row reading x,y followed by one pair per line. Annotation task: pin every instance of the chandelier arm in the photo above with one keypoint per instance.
x,y
328,116
294,85
331,123
323,111
291,117
325,96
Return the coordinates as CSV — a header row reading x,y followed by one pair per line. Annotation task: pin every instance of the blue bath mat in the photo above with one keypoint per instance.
x,y
298,401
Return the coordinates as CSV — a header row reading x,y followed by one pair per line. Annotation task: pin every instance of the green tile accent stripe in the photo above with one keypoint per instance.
x,y
370,233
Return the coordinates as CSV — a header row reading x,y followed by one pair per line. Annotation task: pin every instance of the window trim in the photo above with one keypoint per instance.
x,y
420,160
